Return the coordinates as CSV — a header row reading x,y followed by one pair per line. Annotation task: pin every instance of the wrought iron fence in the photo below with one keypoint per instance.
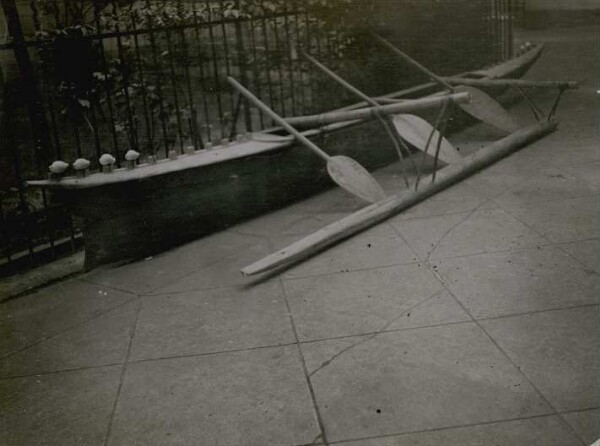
x,y
81,78
502,19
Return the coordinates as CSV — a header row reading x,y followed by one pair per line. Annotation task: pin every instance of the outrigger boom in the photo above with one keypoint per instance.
x,y
520,83
364,114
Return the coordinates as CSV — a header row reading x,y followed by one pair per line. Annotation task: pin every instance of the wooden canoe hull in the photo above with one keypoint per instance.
x,y
140,218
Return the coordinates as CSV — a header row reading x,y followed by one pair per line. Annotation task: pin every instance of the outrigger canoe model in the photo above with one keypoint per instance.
x,y
131,213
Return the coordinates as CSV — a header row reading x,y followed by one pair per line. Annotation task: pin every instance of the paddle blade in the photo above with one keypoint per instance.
x,y
487,109
416,131
353,177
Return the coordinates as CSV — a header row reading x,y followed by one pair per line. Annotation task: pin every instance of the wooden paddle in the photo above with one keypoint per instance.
x,y
346,172
482,106
417,134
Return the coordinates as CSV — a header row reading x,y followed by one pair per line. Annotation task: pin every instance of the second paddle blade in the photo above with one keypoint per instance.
x,y
487,109
416,131
354,178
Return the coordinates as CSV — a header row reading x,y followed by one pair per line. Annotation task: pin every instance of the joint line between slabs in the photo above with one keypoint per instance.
x,y
447,428
439,277
493,341
64,330
550,243
124,364
304,368
289,344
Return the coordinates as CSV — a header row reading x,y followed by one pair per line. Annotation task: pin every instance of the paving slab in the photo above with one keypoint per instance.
x,y
520,281
589,172
441,308
458,198
586,423
560,221
157,271
68,408
294,220
421,379
547,431
587,252
376,247
557,350
224,273
41,276
346,304
477,232
211,321
256,397
574,148
549,184
32,318
101,341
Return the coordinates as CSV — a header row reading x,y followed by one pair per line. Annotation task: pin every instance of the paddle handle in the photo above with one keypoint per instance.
x,y
414,63
339,80
282,122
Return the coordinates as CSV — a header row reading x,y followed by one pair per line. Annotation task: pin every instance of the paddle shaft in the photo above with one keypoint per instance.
x,y
414,63
341,81
261,105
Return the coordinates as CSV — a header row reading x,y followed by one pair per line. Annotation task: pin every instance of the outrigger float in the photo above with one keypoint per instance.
x,y
133,212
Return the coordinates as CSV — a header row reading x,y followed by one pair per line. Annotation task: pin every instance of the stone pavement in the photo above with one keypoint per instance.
x,y
470,319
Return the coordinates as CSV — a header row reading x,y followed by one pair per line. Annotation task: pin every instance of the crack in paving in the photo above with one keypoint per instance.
x,y
446,233
375,334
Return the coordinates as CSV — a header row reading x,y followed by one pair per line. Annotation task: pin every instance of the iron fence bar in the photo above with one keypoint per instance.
x,y
511,19
504,29
267,67
235,116
307,71
94,124
496,38
243,66
132,128
255,72
159,93
48,229
298,66
6,250
77,136
149,128
201,71
321,84
500,30
173,77
54,126
227,59
193,118
290,61
215,71
278,58
109,103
